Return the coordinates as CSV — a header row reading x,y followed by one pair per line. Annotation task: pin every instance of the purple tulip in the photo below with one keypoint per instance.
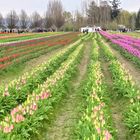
x,y
128,43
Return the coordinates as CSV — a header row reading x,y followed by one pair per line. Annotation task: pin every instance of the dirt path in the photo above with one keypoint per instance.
x,y
132,69
117,106
29,65
66,117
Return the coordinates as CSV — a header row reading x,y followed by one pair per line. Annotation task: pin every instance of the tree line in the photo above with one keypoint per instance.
x,y
53,20
111,15
107,15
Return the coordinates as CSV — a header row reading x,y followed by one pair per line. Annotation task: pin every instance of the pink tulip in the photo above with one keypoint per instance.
x,y
98,130
6,129
19,118
12,127
107,135
6,93
37,98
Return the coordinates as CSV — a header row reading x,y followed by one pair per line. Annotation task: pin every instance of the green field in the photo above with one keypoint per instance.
x,y
71,86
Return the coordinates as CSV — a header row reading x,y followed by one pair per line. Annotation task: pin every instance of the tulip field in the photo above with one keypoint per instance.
x,y
6,38
128,43
82,92
12,54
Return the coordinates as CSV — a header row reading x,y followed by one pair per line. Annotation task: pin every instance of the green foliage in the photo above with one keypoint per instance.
x,y
62,75
19,92
124,87
94,92
138,20
115,8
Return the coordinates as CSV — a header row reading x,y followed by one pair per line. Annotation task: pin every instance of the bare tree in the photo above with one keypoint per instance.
x,y
55,11
12,20
99,14
59,18
105,14
36,20
79,20
1,21
93,14
24,20
48,22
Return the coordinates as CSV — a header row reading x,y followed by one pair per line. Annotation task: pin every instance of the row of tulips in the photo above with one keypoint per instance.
x,y
15,35
101,42
129,40
125,53
27,117
33,41
8,50
24,56
17,91
118,72
87,37
2,33
124,87
14,54
8,65
127,43
15,59
22,37
95,123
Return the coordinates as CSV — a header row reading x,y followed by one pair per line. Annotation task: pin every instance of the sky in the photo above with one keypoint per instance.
x,y
41,5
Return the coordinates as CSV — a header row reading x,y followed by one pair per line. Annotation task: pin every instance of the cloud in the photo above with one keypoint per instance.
x,y
28,5
41,5
131,5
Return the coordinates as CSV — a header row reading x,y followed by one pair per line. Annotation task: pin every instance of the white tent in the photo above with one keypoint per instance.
x,y
90,29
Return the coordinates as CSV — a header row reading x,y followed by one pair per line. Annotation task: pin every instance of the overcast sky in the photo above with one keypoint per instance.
x,y
41,5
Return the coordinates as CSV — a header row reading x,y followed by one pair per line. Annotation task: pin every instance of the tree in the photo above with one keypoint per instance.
x,y
115,8
24,20
113,25
36,20
99,15
68,25
59,18
48,21
12,20
105,14
93,14
67,16
133,21
55,10
79,20
1,21
138,20
124,18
